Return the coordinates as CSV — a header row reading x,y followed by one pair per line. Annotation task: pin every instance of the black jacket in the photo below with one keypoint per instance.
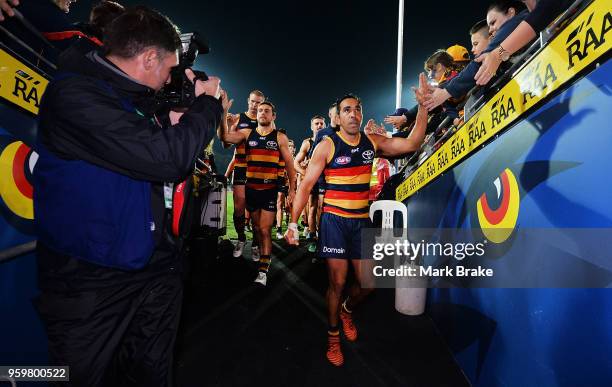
x,y
80,120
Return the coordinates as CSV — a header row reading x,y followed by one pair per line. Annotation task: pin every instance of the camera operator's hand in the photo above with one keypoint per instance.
x,y
211,87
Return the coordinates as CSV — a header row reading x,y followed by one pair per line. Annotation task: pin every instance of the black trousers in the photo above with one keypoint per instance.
x,y
119,335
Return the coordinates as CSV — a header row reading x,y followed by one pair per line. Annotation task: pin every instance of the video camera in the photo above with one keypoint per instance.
x,y
180,92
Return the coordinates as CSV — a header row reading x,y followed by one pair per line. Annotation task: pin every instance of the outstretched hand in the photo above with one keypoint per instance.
x,y
226,102
372,127
397,121
232,121
424,91
488,68
6,7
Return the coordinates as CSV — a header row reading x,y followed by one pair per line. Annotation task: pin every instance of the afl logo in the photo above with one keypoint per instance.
x,y
252,143
244,125
498,224
343,160
271,145
368,154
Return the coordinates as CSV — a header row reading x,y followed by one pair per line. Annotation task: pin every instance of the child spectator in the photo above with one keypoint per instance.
x,y
479,36
461,56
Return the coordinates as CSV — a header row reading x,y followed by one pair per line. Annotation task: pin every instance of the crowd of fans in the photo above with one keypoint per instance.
x,y
497,44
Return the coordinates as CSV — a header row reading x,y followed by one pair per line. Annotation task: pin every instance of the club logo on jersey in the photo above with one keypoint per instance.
x,y
252,143
368,155
343,160
271,145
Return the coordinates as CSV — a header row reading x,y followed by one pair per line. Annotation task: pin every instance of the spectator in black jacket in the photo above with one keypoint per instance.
x,y
542,13
108,261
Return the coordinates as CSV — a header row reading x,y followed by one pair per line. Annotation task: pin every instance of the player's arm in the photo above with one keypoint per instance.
x,y
283,143
316,166
397,146
301,156
230,167
229,132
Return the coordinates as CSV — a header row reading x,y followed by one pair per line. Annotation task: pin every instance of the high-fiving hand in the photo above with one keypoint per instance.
x,y
6,7
372,127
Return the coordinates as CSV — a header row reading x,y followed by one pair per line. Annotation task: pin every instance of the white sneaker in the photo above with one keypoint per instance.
x,y
279,235
262,278
238,249
305,233
255,253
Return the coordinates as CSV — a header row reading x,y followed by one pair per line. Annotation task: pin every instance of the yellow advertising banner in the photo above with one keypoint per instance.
x,y
581,43
20,84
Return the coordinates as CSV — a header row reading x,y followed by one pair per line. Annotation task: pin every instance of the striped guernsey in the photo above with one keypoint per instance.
x,y
263,159
347,176
245,122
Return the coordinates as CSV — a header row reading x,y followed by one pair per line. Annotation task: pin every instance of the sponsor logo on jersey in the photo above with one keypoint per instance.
x,y
368,155
342,160
333,250
271,145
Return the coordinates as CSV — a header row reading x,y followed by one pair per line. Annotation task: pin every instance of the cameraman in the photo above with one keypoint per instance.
x,y
109,267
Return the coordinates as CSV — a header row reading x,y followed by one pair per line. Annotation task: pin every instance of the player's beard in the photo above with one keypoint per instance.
x,y
263,123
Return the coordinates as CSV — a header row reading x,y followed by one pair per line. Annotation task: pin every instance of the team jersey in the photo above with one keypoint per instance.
x,y
282,172
245,122
310,149
263,159
347,176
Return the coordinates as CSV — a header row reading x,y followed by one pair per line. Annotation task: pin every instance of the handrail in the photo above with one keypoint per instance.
x,y
27,47
16,251
26,23
35,32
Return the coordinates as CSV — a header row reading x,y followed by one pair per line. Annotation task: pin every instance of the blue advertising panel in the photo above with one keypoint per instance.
x,y
550,171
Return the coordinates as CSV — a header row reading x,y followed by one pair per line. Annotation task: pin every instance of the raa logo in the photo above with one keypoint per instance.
x,y
587,37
